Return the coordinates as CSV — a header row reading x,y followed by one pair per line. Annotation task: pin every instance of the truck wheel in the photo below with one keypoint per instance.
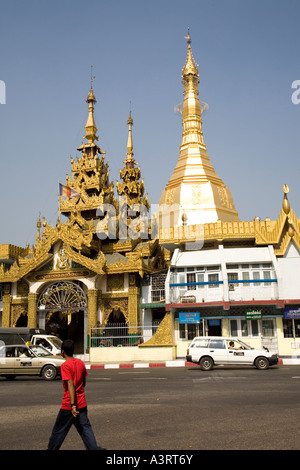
x,y
10,377
206,363
261,363
49,372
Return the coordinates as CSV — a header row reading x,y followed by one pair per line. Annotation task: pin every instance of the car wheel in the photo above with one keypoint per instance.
x,y
206,363
10,377
49,372
261,363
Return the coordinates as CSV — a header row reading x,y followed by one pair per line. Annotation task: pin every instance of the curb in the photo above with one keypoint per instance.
x,y
148,365
141,365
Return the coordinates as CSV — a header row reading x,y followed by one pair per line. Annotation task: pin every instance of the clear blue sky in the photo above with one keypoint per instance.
x,y
248,56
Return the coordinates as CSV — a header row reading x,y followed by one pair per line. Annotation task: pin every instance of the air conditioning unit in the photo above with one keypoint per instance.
x,y
189,299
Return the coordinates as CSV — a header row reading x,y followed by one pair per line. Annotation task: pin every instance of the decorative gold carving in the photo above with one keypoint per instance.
x,y
16,312
32,310
224,197
63,262
92,308
133,305
58,276
169,196
115,282
196,194
114,303
6,310
97,266
22,288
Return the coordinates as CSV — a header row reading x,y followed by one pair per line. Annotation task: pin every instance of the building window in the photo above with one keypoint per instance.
x,y
256,277
251,328
200,278
267,275
234,328
247,272
246,277
232,277
291,328
213,278
191,277
189,331
158,287
244,327
254,327
267,327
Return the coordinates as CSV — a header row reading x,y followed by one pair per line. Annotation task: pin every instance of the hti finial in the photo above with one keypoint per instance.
x,y
92,77
188,37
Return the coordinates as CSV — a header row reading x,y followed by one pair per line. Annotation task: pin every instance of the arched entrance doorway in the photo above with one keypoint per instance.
x,y
116,316
64,305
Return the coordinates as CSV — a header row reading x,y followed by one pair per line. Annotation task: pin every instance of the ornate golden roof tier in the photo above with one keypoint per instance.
x,y
11,252
194,184
277,233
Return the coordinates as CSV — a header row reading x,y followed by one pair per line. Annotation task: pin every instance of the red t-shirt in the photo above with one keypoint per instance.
x,y
73,369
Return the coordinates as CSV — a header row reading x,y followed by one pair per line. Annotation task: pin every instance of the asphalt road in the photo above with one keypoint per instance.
x,y
180,409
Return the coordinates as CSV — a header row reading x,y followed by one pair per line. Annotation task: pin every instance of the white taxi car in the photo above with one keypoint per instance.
x,y
208,351
28,360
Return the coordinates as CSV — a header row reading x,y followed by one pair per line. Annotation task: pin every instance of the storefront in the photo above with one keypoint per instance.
x,y
257,326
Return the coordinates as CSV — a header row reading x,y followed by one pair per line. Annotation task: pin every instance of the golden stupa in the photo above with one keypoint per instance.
x,y
195,194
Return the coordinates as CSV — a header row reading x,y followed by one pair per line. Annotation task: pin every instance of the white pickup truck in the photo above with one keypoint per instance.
x,y
34,336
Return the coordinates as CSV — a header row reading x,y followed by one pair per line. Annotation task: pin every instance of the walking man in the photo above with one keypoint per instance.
x,y
74,407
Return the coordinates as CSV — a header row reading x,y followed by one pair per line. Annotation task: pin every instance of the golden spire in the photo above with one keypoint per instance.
x,y
131,186
38,225
90,127
129,141
190,65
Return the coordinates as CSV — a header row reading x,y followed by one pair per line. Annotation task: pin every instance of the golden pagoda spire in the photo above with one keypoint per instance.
x,y
129,141
91,128
90,174
131,186
190,65
194,185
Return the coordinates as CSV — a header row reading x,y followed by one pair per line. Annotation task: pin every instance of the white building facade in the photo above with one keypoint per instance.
x,y
248,293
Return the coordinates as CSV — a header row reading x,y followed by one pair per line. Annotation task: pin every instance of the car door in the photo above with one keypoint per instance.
x,y
7,360
217,350
26,362
239,353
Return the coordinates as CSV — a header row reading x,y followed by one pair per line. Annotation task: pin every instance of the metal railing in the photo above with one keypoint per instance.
x,y
120,334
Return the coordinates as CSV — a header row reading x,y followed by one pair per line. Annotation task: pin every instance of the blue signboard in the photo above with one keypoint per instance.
x,y
290,312
189,317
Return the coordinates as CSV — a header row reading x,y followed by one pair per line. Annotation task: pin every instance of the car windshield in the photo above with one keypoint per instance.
x,y
54,340
40,351
245,346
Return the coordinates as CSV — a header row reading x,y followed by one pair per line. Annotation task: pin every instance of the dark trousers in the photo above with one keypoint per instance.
x,y
62,425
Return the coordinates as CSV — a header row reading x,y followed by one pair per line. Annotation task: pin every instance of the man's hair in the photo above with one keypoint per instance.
x,y
68,347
